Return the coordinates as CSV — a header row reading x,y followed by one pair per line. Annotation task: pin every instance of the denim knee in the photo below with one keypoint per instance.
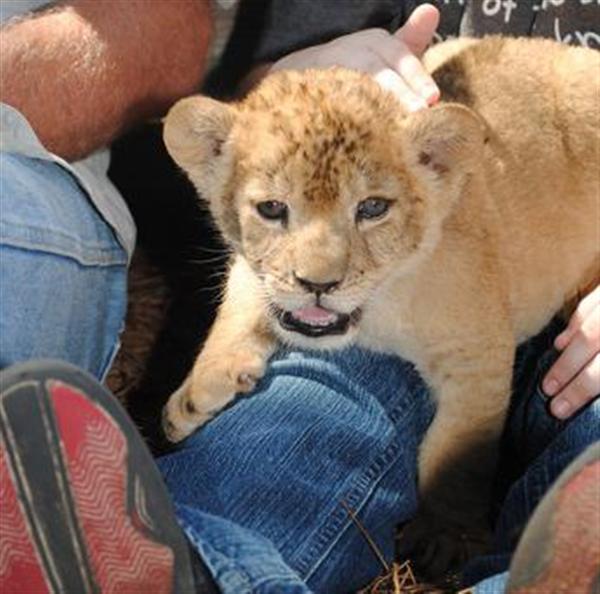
x,y
322,430
62,270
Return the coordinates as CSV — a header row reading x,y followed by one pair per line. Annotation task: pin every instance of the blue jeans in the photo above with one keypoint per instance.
x,y
63,274
260,491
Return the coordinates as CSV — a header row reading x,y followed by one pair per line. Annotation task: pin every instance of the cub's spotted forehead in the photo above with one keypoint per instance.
x,y
332,120
315,103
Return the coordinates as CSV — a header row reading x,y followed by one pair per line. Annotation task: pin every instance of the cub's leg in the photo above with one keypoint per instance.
x,y
232,360
458,456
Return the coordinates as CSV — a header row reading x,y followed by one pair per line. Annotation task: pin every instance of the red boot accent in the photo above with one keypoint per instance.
x,y
21,568
123,559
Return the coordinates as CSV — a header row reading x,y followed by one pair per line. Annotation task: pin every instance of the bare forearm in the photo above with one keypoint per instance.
x,y
88,69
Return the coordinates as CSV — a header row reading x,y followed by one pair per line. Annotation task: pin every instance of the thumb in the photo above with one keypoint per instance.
x,y
418,30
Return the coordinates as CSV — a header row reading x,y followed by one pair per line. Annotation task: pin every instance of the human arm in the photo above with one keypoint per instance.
x,y
86,70
394,60
574,380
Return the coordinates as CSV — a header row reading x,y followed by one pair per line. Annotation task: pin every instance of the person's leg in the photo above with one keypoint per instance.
x,y
261,490
318,433
538,449
62,271
560,548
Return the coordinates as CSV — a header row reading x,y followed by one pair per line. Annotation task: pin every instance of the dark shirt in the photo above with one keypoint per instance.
x,y
575,22
269,29
294,24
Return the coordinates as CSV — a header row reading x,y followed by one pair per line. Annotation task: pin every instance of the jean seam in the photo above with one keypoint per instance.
x,y
277,580
305,564
113,257
326,538
44,231
112,355
50,241
208,552
308,563
92,185
362,490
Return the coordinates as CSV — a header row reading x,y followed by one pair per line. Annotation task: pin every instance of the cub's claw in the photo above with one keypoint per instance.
x,y
210,387
180,416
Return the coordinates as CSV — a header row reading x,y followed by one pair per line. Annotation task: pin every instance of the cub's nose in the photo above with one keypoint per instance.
x,y
314,287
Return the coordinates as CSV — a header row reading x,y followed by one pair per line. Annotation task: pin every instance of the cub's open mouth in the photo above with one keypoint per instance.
x,y
316,321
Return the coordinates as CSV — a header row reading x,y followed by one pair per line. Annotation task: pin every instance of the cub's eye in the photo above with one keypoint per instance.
x,y
273,210
372,208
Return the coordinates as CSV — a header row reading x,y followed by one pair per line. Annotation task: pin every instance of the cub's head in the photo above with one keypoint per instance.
x,y
326,187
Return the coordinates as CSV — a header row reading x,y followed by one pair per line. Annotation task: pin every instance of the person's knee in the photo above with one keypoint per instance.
x,y
360,375
62,271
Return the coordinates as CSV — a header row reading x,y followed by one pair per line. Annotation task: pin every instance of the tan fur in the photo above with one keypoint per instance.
x,y
495,224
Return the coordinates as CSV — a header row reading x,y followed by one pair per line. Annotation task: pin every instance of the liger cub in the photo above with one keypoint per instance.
x,y
445,236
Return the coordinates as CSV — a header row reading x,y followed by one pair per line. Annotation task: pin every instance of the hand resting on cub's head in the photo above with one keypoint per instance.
x,y
392,59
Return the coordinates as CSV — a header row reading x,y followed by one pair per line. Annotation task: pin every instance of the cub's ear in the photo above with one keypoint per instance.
x,y
196,134
444,140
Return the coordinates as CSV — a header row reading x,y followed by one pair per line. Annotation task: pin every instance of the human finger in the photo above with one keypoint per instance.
x,y
419,29
579,392
391,81
584,309
580,350
401,59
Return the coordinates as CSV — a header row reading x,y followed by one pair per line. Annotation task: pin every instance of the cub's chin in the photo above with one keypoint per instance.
x,y
316,327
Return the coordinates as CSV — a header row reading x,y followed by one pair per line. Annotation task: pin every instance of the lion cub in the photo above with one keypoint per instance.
x,y
445,236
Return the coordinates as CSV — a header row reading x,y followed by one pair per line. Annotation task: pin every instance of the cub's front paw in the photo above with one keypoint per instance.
x,y
437,546
213,383
179,416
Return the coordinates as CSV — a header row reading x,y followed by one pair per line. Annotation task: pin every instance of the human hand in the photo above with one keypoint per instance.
x,y
574,379
393,60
